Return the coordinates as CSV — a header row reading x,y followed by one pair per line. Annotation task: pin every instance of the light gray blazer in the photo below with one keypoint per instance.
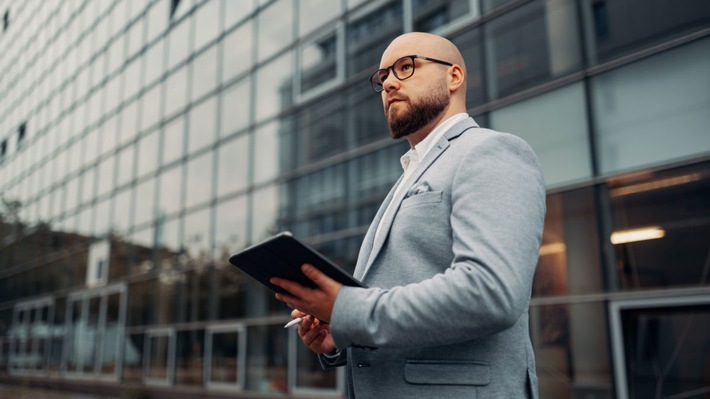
x,y
451,277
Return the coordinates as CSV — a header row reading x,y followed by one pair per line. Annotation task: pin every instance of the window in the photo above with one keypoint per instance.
x,y
430,15
319,61
159,356
370,34
21,132
226,357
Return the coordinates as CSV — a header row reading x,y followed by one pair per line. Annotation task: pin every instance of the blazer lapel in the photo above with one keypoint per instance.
x,y
373,246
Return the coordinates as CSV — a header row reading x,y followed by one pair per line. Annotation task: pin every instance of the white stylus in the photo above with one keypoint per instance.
x,y
294,322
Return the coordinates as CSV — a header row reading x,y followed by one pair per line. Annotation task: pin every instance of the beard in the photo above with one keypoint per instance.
x,y
419,114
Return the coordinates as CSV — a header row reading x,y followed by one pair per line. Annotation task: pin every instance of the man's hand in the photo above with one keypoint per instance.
x,y
318,301
314,333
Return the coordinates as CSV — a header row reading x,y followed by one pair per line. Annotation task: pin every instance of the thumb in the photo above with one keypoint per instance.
x,y
317,276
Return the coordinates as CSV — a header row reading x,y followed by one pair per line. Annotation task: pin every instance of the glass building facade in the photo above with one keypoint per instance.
x,y
142,142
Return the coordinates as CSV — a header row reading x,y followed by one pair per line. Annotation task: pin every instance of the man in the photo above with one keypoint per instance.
x,y
449,257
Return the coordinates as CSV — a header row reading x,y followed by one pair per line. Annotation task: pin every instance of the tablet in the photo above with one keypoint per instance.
x,y
282,256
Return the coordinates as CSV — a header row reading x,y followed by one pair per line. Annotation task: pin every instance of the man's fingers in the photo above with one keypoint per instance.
x,y
318,277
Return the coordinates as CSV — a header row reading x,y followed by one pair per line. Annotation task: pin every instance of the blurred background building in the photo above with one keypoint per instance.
x,y
142,142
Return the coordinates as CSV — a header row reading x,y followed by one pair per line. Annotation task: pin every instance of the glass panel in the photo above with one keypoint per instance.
x,y
274,87
569,260
272,36
178,39
266,159
666,351
562,143
203,121
660,227
231,226
318,62
267,360
140,302
122,215
321,132
148,154
126,164
571,350
237,56
309,373
154,60
133,358
159,357
112,334
151,107
236,107
174,140
157,20
176,92
235,11
367,121
471,47
488,5
77,336
196,242
430,15
145,202
199,179
621,27
204,71
92,337
170,192
233,165
207,23
368,36
633,114
314,13
531,45
225,357
265,205
189,367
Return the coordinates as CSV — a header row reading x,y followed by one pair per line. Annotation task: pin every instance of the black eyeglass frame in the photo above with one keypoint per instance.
x,y
376,86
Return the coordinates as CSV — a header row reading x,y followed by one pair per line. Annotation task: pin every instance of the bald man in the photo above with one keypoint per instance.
x,y
449,257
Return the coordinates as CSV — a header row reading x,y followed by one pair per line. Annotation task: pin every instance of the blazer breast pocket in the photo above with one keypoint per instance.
x,y
430,197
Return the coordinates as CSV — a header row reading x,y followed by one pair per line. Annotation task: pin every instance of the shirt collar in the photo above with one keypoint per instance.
x,y
422,148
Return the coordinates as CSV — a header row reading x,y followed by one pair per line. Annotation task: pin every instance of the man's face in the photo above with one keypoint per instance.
x,y
413,103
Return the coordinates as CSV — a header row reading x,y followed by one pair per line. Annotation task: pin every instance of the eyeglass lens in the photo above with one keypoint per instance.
x,y
403,68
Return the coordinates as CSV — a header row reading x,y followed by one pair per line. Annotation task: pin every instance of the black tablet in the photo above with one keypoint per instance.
x,y
282,256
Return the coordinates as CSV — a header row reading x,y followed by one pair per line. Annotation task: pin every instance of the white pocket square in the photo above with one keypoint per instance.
x,y
421,187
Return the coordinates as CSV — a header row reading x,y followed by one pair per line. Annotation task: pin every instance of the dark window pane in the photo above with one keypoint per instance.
x,y
189,356
623,26
432,14
533,44
267,360
661,229
369,35
471,48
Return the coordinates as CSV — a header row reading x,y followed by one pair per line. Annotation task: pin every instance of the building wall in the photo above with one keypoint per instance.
x,y
142,142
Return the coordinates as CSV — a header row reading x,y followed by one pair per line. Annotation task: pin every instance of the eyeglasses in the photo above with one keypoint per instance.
x,y
402,69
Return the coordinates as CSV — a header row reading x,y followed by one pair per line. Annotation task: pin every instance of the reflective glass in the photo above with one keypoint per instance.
x,y
318,62
430,15
154,61
236,107
620,27
145,202
231,227
321,132
151,105
199,179
173,143
225,357
314,13
157,20
133,357
116,54
135,37
112,333
132,79
106,176
170,192
148,153
204,73
103,217
189,357
369,35
530,45
159,357
266,148
660,229
265,206
125,166
108,135
178,39
235,11
237,51
571,350
207,23
471,46
267,349
233,165
129,122
569,262
562,143
203,125
273,37
274,87
176,92
633,116
122,214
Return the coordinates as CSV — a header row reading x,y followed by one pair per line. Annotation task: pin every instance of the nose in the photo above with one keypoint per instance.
x,y
391,83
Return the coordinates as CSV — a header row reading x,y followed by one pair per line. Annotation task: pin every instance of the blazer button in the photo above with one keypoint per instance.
x,y
361,365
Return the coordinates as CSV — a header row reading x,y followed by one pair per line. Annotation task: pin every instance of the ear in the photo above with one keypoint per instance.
x,y
455,78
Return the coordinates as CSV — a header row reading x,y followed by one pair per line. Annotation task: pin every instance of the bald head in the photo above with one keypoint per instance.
x,y
425,44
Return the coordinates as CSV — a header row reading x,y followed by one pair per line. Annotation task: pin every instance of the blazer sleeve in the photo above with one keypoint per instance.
x,y
497,216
